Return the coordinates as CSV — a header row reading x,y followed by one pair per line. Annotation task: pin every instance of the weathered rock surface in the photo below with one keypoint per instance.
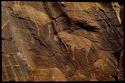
x,y
61,41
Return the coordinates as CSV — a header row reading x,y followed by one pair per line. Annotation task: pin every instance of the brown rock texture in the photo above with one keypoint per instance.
x,y
62,41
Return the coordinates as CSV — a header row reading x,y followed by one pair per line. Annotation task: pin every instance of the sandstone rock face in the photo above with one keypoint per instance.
x,y
61,41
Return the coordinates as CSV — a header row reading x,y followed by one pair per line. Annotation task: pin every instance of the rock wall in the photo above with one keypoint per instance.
x,y
61,41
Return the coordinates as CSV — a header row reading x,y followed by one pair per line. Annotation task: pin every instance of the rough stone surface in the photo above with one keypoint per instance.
x,y
61,41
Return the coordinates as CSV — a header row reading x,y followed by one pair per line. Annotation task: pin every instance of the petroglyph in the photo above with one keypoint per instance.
x,y
76,42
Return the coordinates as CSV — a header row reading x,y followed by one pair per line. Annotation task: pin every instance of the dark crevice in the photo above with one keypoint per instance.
x,y
115,77
86,27
8,39
3,38
16,16
117,55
